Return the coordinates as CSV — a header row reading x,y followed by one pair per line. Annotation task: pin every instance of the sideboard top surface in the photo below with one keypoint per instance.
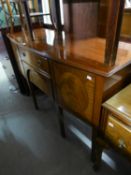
x,y
87,54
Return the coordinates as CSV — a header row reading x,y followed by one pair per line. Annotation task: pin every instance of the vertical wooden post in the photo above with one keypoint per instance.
x,y
27,18
55,8
36,5
61,122
11,15
113,31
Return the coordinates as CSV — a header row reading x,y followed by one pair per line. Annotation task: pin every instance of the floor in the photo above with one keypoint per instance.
x,y
30,141
3,53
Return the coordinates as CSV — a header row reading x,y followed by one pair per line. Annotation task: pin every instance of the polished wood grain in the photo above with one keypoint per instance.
x,y
87,54
93,49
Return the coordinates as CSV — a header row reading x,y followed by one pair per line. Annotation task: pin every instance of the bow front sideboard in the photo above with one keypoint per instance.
x,y
80,63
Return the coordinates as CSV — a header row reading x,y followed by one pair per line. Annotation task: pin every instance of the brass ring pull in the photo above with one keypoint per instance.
x,y
24,54
121,143
39,62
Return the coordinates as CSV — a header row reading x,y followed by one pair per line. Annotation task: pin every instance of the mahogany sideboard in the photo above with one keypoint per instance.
x,y
64,71
81,63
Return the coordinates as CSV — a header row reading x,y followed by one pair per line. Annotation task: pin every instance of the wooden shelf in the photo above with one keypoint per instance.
x,y
34,14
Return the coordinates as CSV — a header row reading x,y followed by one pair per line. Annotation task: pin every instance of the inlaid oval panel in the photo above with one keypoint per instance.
x,y
73,93
75,90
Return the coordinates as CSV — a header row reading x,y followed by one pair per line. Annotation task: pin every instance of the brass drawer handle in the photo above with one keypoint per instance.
x,y
24,54
121,143
39,62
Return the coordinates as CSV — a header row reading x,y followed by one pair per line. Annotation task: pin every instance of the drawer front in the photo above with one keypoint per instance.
x,y
34,60
75,90
119,134
40,81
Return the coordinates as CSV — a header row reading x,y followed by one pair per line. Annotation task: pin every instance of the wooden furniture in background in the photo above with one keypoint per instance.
x,y
115,127
126,31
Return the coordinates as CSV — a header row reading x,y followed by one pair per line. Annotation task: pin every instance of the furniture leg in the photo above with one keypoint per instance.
x,y
97,150
61,122
32,91
98,157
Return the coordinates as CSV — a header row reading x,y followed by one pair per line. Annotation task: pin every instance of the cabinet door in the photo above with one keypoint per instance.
x,y
75,90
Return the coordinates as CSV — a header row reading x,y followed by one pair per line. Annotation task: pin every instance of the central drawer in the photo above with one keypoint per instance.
x,y
35,60
43,82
